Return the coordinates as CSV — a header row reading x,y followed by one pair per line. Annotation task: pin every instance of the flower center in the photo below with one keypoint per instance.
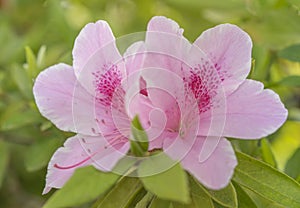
x,y
106,83
200,91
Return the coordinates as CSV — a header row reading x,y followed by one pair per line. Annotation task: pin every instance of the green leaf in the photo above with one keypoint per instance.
x,y
126,166
22,81
267,154
160,203
4,157
298,179
291,53
200,199
226,196
31,66
267,181
121,195
216,205
139,143
46,125
40,60
18,115
244,200
39,154
262,202
85,185
146,200
290,81
165,178
292,167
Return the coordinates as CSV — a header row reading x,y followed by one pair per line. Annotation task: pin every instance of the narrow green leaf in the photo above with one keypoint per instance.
x,y
170,184
39,154
244,200
146,200
121,195
262,202
160,203
292,167
267,181
85,185
267,154
139,143
32,69
200,199
46,125
4,157
22,81
216,205
203,201
40,60
226,196
291,53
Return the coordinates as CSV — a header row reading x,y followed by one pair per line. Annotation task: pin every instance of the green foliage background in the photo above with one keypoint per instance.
x,y
35,34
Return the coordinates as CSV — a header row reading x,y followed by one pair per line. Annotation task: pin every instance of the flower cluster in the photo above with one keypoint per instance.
x,y
189,98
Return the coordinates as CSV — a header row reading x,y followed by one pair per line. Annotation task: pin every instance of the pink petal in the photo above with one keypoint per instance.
x,y
93,37
165,45
164,24
79,151
229,48
105,151
167,95
138,103
60,98
95,53
134,57
253,112
67,158
216,171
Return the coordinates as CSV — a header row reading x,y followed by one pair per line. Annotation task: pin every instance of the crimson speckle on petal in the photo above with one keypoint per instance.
x,y
106,83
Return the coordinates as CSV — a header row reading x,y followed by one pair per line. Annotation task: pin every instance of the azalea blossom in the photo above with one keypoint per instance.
x,y
202,91
83,105
189,98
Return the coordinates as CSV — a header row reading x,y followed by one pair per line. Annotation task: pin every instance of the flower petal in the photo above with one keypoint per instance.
x,y
164,24
229,48
79,151
94,54
216,171
106,151
167,95
166,46
253,112
134,57
60,98
63,163
92,38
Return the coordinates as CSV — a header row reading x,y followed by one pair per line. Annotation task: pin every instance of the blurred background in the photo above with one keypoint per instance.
x,y
35,34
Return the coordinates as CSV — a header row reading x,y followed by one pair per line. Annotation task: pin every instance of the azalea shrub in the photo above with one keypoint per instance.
x,y
153,119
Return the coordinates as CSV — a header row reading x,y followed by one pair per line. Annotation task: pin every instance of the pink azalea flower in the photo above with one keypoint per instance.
x,y
189,97
86,105
203,94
